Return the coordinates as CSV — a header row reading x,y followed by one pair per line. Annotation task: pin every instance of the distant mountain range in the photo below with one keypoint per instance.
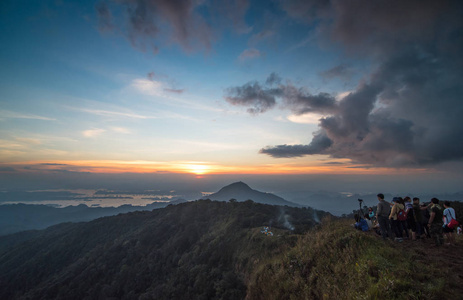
x,y
240,192
21,217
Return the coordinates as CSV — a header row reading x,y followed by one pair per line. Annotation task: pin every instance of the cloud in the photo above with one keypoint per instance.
x,y
273,79
8,144
151,23
105,18
6,114
249,54
152,87
300,101
334,163
151,75
319,143
93,133
175,91
7,169
307,118
261,36
407,111
30,141
231,14
262,97
109,113
339,71
121,130
148,87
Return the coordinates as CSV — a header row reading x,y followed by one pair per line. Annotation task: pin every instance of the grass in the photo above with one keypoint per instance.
x,y
339,262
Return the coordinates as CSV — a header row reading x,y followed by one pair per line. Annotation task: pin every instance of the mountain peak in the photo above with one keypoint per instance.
x,y
237,186
240,191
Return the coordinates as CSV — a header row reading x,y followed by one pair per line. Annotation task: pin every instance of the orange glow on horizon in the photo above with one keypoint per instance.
x,y
203,168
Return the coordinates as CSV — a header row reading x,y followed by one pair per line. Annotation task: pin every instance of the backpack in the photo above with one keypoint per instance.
x,y
402,215
410,213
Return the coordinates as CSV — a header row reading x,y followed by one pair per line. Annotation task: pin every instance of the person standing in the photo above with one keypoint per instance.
x,y
411,220
425,215
418,216
435,222
395,222
449,215
383,210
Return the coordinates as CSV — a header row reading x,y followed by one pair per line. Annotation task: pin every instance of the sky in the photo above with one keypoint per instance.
x,y
189,90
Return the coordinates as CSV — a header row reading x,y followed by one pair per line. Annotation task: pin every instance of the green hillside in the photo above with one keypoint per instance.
x,y
198,250
338,262
215,250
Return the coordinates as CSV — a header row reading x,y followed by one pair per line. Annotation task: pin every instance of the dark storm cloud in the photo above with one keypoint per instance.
x,y
408,111
149,21
262,97
301,101
259,98
319,144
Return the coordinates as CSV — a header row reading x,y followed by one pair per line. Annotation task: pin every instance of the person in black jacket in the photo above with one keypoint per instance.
x,y
382,215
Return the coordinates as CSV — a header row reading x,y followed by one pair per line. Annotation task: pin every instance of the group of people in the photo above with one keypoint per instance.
x,y
404,217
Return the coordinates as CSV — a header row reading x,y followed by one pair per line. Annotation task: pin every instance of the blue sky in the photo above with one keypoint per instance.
x,y
184,86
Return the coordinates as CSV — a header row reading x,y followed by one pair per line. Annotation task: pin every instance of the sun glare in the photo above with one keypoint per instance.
x,y
198,169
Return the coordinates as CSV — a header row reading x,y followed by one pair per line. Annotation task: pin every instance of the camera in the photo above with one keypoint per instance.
x,y
360,200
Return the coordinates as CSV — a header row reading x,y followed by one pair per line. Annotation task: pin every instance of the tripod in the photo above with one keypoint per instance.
x,y
361,215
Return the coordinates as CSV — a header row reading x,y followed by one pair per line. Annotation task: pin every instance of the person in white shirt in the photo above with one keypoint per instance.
x,y
449,214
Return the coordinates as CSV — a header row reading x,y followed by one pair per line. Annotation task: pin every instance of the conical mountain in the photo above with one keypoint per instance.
x,y
240,191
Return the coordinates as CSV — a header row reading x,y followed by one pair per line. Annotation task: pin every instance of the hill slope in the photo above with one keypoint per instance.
x,y
215,250
20,217
195,250
339,262
240,191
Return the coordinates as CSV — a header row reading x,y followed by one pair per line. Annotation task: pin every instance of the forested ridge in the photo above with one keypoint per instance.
x,y
198,250
215,250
